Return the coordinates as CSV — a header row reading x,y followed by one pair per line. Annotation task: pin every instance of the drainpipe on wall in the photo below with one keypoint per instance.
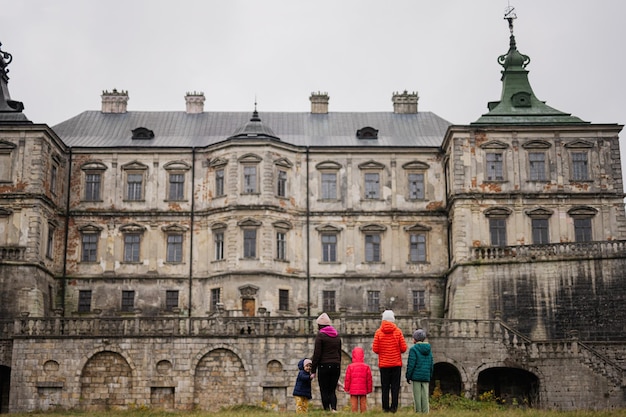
x,y
191,227
308,242
67,234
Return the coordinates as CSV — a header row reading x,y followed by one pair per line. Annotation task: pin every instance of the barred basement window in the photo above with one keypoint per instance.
x,y
373,301
328,301
283,300
84,301
171,300
128,300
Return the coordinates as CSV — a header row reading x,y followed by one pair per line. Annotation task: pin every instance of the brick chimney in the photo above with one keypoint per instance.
x,y
194,102
405,102
114,101
319,103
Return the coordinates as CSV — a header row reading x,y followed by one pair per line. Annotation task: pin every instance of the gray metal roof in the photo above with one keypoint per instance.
x,y
97,129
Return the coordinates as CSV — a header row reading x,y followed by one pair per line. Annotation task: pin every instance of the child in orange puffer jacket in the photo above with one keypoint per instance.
x,y
358,382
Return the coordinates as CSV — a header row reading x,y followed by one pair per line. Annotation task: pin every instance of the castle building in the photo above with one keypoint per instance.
x,y
170,247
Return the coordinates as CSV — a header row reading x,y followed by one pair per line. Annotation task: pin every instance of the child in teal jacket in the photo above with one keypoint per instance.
x,y
419,370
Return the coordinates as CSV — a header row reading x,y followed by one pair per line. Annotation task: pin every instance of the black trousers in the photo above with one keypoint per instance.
x,y
327,378
390,381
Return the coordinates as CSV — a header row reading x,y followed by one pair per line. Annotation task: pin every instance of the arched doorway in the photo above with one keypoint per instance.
x,y
219,380
106,382
510,385
446,378
5,383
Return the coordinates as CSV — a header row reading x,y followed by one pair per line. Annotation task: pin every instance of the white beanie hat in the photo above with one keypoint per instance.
x,y
323,320
389,316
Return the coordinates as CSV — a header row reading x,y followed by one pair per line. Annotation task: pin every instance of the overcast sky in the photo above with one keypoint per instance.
x,y
66,52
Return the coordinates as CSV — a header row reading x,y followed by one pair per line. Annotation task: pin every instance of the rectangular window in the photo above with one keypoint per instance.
x,y
249,243
582,230
537,166
329,248
494,167
497,231
249,179
84,301
372,185
579,166
540,231
328,301
128,300
89,247
416,186
218,240
5,166
283,300
177,187
175,248
281,246
419,300
418,247
219,182
329,185
131,247
134,186
372,248
50,242
171,300
53,179
281,186
215,298
92,187
373,301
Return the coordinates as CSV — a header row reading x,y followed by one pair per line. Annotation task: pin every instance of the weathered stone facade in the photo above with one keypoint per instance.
x,y
178,259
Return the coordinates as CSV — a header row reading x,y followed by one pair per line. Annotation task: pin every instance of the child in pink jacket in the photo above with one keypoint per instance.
x,y
358,382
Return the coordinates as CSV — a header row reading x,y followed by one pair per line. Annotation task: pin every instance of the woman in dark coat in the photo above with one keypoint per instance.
x,y
327,361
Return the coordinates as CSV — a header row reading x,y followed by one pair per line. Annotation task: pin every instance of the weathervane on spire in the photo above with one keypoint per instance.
x,y
509,14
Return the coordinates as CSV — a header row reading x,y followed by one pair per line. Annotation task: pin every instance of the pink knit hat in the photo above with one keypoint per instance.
x,y
323,320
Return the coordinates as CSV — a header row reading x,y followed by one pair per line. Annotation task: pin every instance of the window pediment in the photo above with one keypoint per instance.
x,y
250,158
283,162
282,225
328,228
91,228
134,166
416,165
174,228
498,212
536,144
328,165
417,227
494,144
249,223
539,213
371,165
6,146
373,228
217,162
582,211
132,228
93,166
219,226
579,144
177,166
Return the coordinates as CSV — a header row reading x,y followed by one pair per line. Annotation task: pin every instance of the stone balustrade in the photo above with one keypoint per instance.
x,y
12,253
553,251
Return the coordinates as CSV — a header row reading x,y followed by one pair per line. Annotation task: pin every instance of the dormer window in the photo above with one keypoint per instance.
x,y
367,133
142,133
